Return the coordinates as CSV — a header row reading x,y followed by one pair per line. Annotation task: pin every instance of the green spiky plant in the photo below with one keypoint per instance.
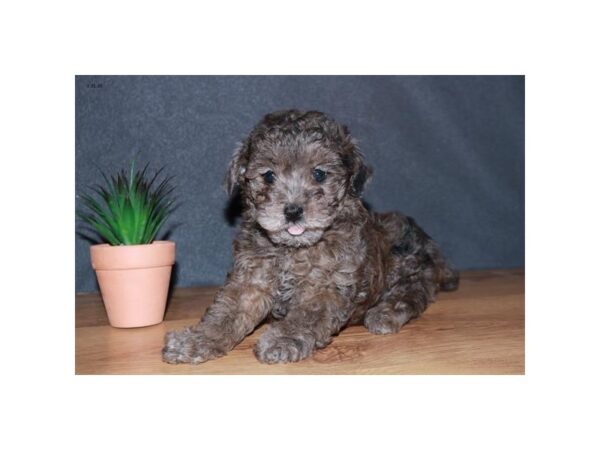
x,y
131,208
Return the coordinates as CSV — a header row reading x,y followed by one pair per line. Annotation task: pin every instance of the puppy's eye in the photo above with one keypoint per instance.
x,y
269,177
319,175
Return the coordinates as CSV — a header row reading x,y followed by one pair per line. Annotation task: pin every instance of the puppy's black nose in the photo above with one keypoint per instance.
x,y
292,212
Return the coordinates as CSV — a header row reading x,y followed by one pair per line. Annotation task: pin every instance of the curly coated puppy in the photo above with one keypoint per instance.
x,y
308,253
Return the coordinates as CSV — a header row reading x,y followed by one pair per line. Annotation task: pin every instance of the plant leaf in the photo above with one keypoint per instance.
x,y
131,207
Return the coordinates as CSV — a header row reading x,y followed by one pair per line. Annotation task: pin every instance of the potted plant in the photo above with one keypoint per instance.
x,y
133,269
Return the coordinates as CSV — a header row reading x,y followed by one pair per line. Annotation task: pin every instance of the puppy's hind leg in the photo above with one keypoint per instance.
x,y
416,272
398,305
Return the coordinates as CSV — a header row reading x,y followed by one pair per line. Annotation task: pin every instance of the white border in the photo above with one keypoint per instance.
x,y
46,43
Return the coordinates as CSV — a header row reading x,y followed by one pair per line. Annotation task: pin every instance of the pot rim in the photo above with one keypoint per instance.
x,y
120,257
134,245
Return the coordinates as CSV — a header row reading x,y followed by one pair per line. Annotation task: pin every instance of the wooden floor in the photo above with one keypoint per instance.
x,y
479,329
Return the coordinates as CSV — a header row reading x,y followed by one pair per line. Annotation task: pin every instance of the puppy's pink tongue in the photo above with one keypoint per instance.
x,y
296,230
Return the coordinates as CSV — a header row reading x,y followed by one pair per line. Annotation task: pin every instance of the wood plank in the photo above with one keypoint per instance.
x,y
478,329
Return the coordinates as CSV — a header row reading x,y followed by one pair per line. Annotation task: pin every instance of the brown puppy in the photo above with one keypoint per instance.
x,y
308,252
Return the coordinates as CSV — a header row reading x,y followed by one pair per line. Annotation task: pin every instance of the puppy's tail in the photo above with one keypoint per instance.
x,y
449,279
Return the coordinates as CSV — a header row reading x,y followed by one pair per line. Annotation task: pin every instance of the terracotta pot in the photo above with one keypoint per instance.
x,y
134,281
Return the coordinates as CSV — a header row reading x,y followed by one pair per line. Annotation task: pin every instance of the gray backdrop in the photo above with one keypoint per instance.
x,y
448,151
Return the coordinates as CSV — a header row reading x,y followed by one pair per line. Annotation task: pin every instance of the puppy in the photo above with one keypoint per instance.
x,y
309,255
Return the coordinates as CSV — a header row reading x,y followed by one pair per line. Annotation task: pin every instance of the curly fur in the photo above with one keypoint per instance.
x,y
347,266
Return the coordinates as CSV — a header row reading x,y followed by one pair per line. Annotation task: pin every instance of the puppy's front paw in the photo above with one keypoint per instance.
x,y
282,349
187,346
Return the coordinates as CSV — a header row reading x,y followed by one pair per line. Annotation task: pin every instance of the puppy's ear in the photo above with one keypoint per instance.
x,y
360,178
360,172
237,168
